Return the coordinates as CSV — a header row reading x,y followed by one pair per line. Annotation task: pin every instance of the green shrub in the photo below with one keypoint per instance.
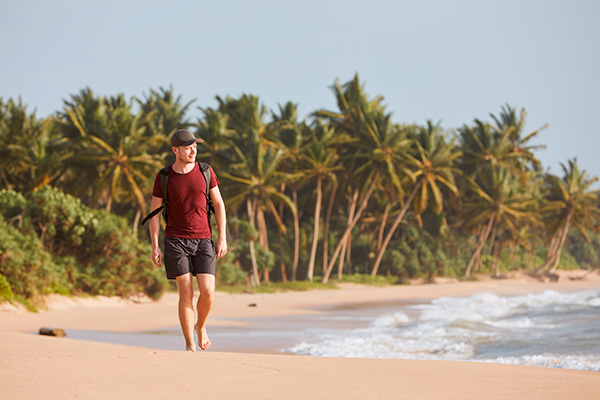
x,y
414,254
115,262
230,274
60,220
6,293
65,247
26,266
265,260
12,204
586,254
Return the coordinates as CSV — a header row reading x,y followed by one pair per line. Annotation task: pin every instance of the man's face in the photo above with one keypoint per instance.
x,y
186,154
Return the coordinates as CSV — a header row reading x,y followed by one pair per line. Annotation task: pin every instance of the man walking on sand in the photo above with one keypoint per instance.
x,y
189,249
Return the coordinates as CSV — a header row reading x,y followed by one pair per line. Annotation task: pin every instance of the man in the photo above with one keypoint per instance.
x,y
189,249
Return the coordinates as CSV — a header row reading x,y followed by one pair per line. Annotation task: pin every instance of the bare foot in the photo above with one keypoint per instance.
x,y
191,348
203,340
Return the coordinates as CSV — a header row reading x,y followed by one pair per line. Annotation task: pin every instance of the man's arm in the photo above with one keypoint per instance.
x,y
154,224
220,216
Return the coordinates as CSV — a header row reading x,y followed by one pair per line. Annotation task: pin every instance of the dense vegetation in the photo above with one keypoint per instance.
x,y
52,243
345,191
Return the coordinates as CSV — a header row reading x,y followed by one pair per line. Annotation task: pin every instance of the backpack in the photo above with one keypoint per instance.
x,y
164,180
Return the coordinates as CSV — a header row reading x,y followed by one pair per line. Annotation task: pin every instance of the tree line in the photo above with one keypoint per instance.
x,y
341,191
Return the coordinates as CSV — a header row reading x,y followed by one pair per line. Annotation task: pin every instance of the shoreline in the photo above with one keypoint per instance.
x,y
58,368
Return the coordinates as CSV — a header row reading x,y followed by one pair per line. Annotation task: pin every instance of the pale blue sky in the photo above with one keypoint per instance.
x,y
449,61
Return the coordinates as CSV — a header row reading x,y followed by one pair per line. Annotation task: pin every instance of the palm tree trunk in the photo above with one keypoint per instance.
x,y
296,237
136,221
561,244
382,225
493,246
480,243
419,220
263,236
313,250
109,203
327,224
555,256
559,247
281,257
492,240
262,229
393,228
348,258
254,279
363,205
342,258
282,241
552,246
556,262
345,253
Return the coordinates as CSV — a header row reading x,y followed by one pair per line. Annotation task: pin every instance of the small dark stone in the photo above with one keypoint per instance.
x,y
52,332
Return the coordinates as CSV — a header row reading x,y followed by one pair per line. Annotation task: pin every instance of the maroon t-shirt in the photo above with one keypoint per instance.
x,y
188,218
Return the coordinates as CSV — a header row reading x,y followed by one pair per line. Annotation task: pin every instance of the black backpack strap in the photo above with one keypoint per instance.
x,y
205,168
164,180
152,214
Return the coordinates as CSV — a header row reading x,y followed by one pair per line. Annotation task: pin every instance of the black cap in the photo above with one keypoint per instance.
x,y
184,137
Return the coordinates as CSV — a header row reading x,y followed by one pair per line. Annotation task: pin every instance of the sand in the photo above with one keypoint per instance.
x,y
34,366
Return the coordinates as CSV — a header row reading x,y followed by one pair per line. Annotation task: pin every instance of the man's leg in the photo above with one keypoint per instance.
x,y
185,285
206,285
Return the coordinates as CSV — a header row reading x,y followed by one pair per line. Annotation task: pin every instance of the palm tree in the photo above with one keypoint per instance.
x,y
219,139
499,203
483,148
320,161
434,162
84,112
372,152
290,134
110,146
491,151
486,146
431,168
255,180
570,202
254,172
23,143
511,126
162,113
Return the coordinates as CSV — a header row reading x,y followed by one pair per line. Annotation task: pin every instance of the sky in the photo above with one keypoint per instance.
x,y
446,61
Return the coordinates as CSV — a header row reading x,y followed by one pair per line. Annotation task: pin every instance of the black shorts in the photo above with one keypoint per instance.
x,y
184,256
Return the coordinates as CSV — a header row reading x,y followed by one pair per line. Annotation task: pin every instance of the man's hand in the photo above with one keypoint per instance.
x,y
221,248
156,256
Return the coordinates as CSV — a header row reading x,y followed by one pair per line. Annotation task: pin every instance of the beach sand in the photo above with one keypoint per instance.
x,y
34,366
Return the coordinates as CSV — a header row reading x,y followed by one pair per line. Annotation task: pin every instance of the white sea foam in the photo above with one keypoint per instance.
x,y
589,363
538,329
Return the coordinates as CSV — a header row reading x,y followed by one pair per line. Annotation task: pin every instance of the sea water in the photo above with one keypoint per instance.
x,y
549,329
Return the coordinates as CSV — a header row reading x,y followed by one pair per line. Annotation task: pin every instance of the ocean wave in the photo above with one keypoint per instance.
x,y
550,329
